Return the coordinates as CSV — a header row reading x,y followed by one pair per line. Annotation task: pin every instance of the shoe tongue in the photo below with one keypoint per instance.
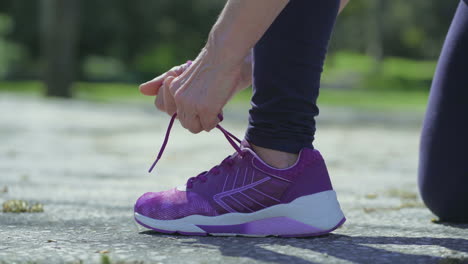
x,y
245,147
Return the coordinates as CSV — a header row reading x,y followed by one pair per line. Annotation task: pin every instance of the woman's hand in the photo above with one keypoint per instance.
x,y
240,77
201,92
151,88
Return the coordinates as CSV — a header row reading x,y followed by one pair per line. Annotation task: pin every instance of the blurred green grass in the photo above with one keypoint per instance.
x,y
353,70
349,80
375,100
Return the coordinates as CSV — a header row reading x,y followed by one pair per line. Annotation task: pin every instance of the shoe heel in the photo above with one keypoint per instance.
x,y
321,211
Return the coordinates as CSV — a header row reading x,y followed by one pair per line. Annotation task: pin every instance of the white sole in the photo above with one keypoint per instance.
x,y
309,215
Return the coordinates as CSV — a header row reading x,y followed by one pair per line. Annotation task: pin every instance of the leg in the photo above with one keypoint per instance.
x,y
443,165
243,195
288,62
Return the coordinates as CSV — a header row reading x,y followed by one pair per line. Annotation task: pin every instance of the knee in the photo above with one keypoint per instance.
x,y
448,200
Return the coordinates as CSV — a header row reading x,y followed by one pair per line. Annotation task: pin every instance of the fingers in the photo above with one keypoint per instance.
x,y
186,110
151,88
197,119
169,103
196,123
208,118
159,101
164,100
190,121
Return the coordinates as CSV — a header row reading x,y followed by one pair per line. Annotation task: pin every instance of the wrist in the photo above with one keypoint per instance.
x,y
221,58
225,48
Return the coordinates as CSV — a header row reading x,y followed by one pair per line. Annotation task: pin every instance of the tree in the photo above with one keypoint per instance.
x,y
59,37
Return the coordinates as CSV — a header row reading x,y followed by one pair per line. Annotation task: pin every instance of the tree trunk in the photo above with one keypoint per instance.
x,y
59,39
375,32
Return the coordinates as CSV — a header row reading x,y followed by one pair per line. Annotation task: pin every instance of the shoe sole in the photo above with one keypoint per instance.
x,y
311,215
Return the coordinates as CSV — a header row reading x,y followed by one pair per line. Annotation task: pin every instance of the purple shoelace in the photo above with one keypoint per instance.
x,y
230,137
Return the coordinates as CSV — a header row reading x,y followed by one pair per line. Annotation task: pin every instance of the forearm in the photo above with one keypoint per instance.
x,y
241,24
343,4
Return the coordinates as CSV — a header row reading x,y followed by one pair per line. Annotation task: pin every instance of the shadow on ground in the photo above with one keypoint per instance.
x,y
343,247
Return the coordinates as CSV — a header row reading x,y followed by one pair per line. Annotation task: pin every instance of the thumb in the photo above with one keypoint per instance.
x,y
152,87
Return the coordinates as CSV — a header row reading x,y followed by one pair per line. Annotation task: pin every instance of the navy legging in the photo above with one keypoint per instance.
x,y
288,62
443,164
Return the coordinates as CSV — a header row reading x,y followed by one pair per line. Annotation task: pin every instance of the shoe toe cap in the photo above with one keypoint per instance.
x,y
172,204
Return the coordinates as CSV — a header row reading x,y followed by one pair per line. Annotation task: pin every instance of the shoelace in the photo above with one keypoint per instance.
x,y
230,137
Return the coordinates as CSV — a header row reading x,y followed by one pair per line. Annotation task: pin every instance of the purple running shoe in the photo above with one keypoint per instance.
x,y
245,196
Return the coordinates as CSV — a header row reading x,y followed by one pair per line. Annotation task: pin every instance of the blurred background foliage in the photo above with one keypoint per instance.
x,y
378,45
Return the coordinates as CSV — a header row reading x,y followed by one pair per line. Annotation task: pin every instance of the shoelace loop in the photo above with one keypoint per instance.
x,y
202,176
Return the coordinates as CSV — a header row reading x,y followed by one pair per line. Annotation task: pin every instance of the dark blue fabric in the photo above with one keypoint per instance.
x,y
443,164
288,62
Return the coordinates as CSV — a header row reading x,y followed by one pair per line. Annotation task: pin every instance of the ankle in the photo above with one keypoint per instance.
x,y
275,158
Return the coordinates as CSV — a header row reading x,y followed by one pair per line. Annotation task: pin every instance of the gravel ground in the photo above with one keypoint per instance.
x,y
86,163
